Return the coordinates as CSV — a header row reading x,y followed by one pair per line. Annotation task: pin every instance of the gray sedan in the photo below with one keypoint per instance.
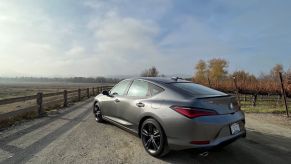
x,y
171,114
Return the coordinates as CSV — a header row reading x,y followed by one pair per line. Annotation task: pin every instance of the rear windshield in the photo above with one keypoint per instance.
x,y
198,90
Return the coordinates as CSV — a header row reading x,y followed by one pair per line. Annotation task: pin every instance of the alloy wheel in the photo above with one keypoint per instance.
x,y
151,137
97,113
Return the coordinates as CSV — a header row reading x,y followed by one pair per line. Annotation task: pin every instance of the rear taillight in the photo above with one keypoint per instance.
x,y
193,112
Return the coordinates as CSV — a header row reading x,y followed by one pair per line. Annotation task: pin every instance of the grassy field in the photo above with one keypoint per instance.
x,y
264,109
9,90
50,104
264,104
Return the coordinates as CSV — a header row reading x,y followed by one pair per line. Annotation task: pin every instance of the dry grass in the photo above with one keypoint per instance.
x,y
49,103
17,119
263,109
9,90
24,89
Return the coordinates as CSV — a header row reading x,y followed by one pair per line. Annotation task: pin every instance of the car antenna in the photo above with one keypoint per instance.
x,y
176,78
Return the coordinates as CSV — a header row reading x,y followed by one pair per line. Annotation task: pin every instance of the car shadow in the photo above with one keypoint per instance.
x,y
22,155
256,148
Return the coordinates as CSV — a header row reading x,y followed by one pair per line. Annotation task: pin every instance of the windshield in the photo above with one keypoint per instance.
x,y
198,90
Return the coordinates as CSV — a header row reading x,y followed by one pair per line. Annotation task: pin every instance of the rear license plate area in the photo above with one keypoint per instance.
x,y
234,128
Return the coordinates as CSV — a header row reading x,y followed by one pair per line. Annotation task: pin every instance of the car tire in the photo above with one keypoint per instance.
x,y
153,138
97,114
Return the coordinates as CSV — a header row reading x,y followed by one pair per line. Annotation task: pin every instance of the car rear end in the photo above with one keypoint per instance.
x,y
206,119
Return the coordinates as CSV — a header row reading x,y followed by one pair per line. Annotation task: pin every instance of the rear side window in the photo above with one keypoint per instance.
x,y
139,88
155,89
198,90
120,88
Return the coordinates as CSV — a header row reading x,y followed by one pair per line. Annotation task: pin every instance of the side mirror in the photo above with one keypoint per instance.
x,y
106,93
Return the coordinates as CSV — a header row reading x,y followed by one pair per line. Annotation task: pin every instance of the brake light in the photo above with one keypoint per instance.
x,y
193,112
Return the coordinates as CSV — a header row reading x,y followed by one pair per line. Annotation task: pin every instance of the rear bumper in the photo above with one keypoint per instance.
x,y
212,145
228,141
225,141
214,129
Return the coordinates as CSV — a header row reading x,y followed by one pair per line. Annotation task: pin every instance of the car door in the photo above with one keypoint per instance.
x,y
133,104
110,103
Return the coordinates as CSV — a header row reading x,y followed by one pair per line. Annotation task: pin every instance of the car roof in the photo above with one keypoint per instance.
x,y
161,79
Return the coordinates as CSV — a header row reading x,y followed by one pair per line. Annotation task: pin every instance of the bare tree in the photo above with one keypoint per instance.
x,y
244,76
275,71
151,72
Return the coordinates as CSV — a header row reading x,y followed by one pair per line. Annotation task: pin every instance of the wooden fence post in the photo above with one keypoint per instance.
x,y
209,84
79,94
65,98
39,104
254,100
236,91
284,93
97,90
88,94
93,91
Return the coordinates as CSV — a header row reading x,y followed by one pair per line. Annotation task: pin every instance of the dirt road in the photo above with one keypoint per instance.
x,y
73,136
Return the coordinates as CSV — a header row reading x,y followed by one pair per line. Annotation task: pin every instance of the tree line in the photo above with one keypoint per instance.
x,y
214,73
70,79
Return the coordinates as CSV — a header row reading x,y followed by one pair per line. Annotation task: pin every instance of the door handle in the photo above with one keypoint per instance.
x,y
140,104
116,100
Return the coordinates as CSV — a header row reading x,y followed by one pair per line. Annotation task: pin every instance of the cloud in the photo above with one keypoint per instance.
x,y
123,37
119,40
43,50
26,42
195,37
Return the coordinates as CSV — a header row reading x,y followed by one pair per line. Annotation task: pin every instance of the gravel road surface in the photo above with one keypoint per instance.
x,y
73,136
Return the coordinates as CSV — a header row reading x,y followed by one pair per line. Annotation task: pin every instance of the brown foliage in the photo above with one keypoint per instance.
x,y
265,84
258,87
201,72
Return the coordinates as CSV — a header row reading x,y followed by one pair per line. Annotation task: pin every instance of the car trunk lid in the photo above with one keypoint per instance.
x,y
221,104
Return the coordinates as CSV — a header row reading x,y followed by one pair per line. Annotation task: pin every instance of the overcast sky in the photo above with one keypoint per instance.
x,y
124,37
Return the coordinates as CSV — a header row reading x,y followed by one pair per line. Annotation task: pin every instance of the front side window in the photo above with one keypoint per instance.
x,y
120,88
139,88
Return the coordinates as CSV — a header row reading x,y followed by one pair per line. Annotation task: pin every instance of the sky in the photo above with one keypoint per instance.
x,y
90,38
